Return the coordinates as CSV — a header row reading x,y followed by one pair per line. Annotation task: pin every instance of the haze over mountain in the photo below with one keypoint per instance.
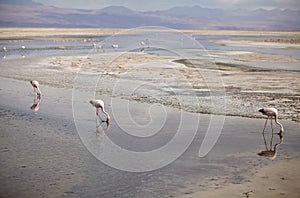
x,y
27,13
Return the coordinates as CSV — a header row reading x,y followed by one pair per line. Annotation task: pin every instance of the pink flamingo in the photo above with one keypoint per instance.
x,y
271,112
99,104
36,88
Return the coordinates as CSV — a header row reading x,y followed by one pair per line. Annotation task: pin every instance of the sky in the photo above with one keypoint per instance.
x,y
146,5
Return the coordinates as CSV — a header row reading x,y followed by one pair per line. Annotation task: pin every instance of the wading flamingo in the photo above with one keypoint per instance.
x,y
36,88
115,47
5,52
271,112
99,104
23,48
142,46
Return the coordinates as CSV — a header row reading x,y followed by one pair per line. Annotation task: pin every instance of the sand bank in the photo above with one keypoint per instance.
x,y
23,32
280,179
245,88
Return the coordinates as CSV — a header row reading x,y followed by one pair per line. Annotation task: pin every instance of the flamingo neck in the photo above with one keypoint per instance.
x,y
281,127
107,115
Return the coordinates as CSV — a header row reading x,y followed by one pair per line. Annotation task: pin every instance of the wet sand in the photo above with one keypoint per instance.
x,y
278,180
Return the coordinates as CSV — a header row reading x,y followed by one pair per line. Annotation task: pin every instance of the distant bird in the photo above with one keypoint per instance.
x,y
115,47
36,88
94,45
23,48
142,46
271,112
5,52
99,104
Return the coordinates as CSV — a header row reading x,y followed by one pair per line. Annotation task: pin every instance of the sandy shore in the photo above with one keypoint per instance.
x,y
278,180
21,32
244,88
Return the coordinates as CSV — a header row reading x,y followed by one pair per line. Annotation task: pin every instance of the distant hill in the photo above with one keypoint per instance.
x,y
27,13
19,2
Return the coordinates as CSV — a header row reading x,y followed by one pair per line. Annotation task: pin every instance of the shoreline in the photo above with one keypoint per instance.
x,y
6,32
243,91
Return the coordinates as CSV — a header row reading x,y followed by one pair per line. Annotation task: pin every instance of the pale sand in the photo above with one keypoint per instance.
x,y
280,179
21,32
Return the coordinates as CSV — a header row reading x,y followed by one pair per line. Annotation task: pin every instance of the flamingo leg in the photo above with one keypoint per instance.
x,y
265,125
271,141
98,118
265,142
272,126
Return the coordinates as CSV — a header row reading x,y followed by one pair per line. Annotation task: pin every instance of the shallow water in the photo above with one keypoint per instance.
x,y
46,144
157,43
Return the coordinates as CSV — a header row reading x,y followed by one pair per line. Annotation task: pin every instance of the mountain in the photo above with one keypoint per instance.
x,y
196,11
19,2
27,13
116,10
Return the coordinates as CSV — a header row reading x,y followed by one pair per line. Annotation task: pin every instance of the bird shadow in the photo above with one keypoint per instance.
x,y
36,103
270,152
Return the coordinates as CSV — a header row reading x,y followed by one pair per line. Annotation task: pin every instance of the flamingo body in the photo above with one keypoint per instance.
x,y
36,88
271,112
99,104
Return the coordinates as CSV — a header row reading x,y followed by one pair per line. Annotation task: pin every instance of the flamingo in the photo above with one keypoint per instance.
x,y
5,52
271,112
115,47
23,48
36,88
99,104
142,46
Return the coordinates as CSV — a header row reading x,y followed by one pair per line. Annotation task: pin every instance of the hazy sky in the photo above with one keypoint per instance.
x,y
144,5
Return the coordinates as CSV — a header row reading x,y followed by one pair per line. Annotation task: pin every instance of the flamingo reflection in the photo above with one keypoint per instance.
x,y
101,129
271,153
36,103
